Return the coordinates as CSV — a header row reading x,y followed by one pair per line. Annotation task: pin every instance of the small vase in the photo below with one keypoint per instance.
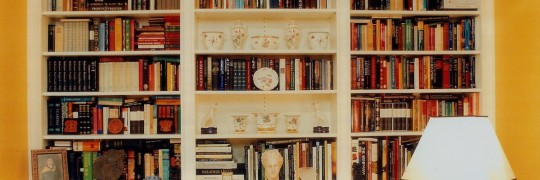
x,y
213,40
292,36
240,123
292,123
318,40
266,122
239,35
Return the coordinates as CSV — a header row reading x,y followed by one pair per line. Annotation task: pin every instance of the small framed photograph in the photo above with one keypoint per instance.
x,y
49,164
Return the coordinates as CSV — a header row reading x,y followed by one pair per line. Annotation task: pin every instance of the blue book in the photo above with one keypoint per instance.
x,y
102,33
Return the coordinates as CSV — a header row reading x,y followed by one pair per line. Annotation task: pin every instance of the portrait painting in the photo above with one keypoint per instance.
x,y
49,164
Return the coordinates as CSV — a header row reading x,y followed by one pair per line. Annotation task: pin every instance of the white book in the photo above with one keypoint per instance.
x,y
105,120
127,119
147,117
286,163
215,165
134,76
213,149
328,161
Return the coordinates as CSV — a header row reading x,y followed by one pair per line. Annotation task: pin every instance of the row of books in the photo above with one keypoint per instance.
x,y
113,115
413,5
113,74
399,72
236,73
382,72
407,112
433,33
381,158
111,5
264,4
445,72
114,34
136,159
315,157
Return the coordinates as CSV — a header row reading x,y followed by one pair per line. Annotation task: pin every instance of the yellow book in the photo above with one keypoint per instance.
x,y
118,34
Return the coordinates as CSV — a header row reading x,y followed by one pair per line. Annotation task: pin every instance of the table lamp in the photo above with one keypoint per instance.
x,y
464,148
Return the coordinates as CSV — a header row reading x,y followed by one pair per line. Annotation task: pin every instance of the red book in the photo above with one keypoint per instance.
x,y
446,73
287,74
353,73
373,73
383,73
95,118
111,36
100,121
397,66
132,34
248,74
151,77
200,73
354,36
356,116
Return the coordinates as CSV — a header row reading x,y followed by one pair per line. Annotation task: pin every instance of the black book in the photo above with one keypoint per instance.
x,y
50,38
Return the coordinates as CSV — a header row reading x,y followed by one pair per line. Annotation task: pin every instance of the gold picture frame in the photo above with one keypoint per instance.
x,y
49,164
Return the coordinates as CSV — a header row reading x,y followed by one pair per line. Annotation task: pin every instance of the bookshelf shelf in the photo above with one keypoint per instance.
x,y
302,92
264,13
131,93
264,136
412,91
390,14
387,133
412,53
126,136
130,13
267,52
112,53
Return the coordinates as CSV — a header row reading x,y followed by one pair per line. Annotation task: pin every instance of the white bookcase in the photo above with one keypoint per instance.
x,y
335,104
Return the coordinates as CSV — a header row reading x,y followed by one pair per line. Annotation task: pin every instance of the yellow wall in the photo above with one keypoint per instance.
x,y
13,122
517,35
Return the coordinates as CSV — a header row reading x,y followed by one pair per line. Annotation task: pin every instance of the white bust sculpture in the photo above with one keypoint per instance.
x,y
271,161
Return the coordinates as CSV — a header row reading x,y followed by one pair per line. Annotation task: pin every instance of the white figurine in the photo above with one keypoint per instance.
x,y
320,120
208,120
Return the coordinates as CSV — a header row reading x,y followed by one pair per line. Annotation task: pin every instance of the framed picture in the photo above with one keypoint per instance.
x,y
49,164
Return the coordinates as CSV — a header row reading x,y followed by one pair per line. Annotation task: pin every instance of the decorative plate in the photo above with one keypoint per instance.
x,y
265,79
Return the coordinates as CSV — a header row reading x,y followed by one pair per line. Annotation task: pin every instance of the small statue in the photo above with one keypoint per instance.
x,y
208,123
321,124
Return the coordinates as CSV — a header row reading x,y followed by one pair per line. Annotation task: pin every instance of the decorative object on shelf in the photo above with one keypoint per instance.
x,y
49,164
272,162
292,36
110,165
459,148
307,173
239,35
266,122
265,79
318,40
264,41
240,122
292,122
321,124
116,126
208,123
213,40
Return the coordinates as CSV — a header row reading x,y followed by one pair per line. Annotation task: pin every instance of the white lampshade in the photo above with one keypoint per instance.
x,y
464,148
